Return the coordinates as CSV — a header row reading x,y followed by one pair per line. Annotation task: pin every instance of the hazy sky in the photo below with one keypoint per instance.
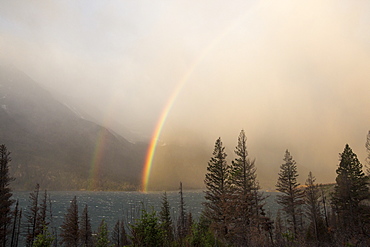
x,y
292,74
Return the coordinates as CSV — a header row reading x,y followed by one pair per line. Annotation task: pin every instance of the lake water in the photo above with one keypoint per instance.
x,y
113,206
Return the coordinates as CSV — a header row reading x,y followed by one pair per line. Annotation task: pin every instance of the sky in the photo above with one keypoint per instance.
x,y
293,74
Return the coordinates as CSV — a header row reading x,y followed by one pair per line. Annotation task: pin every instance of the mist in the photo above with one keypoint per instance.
x,y
293,74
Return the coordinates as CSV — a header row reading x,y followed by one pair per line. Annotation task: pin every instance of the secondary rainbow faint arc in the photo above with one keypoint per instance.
x,y
97,159
100,145
162,119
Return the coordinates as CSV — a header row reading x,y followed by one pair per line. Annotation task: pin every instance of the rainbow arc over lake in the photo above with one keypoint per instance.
x,y
166,110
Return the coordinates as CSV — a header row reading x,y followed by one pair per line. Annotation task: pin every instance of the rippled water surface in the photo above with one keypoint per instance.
x,y
113,206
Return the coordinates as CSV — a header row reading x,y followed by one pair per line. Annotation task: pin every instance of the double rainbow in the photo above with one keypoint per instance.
x,y
101,140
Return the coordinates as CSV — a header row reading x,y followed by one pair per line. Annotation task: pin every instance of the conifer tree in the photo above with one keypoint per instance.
x,y
217,189
312,202
291,198
18,229
103,235
42,221
116,235
350,191
69,228
85,233
44,239
245,198
147,232
15,220
166,221
5,196
119,236
123,235
54,228
32,216
279,230
189,222
181,222
243,171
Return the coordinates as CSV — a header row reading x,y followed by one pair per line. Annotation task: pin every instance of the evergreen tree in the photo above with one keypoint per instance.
x,y
189,223
15,220
181,223
119,236
16,226
85,233
5,196
166,221
33,224
54,228
116,235
350,192
246,200
147,232
201,234
42,221
279,230
123,235
312,202
243,171
69,228
44,239
103,235
291,198
217,189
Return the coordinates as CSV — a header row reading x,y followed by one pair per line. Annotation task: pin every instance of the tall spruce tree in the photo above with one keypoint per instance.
x,y
116,234
243,171
32,215
245,197
291,198
119,236
350,192
5,196
14,228
146,232
69,229
312,203
42,216
166,221
18,229
102,237
217,189
181,222
85,231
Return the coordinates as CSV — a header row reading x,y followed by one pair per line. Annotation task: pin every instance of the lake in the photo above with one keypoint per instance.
x,y
113,206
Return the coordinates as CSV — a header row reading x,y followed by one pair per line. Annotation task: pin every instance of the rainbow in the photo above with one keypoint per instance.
x,y
158,129
162,119
100,144
96,160
180,84
102,136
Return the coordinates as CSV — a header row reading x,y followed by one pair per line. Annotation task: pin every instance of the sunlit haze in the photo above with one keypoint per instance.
x,y
293,74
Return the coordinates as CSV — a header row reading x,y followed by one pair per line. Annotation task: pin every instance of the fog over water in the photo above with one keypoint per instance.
x,y
293,74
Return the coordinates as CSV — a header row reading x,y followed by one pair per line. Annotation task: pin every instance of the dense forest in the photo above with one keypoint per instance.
x,y
233,215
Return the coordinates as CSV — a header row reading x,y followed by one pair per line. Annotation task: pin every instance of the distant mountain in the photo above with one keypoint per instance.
x,y
89,112
54,145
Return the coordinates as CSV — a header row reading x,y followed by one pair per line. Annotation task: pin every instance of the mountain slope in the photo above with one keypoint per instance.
x,y
52,145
